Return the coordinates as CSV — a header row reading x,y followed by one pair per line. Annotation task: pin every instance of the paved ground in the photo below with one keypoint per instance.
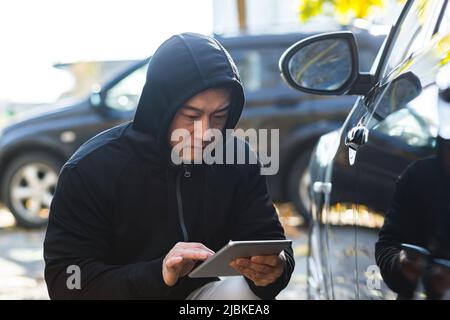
x,y
21,263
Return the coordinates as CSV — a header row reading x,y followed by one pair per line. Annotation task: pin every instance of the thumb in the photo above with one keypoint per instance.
x,y
171,269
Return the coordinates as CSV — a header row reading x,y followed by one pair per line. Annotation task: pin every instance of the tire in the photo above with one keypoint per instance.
x,y
298,184
28,185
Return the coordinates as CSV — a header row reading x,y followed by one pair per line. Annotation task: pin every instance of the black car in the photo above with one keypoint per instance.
x,y
353,170
33,150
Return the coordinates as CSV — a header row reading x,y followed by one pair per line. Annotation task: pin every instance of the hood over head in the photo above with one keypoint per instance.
x,y
183,66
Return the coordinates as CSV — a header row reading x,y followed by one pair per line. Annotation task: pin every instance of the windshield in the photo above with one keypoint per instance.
x,y
415,30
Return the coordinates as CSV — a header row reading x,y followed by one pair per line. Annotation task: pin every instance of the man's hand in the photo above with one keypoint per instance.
x,y
411,265
438,280
181,260
262,270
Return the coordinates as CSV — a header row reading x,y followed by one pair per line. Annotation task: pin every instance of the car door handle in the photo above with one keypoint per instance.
x,y
322,187
357,137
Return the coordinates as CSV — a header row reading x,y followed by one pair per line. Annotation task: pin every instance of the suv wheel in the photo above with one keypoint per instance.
x,y
29,183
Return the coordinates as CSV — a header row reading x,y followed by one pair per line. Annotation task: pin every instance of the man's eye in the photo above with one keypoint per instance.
x,y
190,117
221,116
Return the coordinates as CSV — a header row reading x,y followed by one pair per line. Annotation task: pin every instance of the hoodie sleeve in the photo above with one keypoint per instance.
x,y
387,248
78,237
257,219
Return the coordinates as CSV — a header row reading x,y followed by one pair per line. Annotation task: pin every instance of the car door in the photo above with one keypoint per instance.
x,y
401,116
358,180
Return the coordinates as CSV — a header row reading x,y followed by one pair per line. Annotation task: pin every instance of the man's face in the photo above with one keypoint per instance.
x,y
208,108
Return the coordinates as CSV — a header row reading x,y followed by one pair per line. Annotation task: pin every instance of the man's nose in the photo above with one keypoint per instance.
x,y
206,125
200,128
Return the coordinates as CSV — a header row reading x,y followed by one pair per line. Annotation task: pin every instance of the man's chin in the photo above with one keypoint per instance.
x,y
196,155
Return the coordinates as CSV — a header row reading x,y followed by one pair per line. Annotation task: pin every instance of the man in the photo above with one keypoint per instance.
x,y
420,215
134,224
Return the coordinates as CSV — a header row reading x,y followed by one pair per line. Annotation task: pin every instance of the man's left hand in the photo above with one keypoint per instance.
x,y
262,270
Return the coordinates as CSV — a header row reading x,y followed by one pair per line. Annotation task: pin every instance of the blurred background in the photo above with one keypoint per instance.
x,y
70,69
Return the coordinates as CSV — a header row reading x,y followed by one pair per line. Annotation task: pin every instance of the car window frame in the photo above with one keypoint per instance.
x,y
394,33
380,63
370,101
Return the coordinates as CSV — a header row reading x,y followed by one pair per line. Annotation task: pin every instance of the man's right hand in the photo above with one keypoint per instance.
x,y
181,260
411,265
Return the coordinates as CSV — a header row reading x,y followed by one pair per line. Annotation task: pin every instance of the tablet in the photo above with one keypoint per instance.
x,y
218,265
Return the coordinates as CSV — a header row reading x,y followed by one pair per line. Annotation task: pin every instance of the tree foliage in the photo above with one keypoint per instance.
x,y
345,10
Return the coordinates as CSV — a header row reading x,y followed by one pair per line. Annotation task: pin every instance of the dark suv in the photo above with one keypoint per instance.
x,y
354,169
33,150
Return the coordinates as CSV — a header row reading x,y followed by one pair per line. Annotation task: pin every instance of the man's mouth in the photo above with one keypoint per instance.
x,y
203,146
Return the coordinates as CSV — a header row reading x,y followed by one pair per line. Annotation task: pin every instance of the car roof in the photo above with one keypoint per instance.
x,y
283,39
249,40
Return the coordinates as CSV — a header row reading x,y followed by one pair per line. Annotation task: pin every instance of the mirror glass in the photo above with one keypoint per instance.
x,y
322,65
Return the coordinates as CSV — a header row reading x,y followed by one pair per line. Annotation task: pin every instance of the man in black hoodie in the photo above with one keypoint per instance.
x,y
133,223
420,215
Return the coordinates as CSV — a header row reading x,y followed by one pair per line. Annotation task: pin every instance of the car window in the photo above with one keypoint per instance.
x,y
125,94
415,125
445,22
407,81
404,88
404,109
258,68
415,31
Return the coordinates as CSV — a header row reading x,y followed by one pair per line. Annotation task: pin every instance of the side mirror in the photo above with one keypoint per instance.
x,y
325,64
95,96
97,101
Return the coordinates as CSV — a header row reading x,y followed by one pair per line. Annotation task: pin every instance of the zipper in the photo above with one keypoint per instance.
x,y
187,174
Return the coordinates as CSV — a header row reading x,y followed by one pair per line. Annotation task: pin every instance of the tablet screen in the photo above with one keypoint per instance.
x,y
219,264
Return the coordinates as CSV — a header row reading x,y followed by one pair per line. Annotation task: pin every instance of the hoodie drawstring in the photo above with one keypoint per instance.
x,y
205,207
180,205
187,174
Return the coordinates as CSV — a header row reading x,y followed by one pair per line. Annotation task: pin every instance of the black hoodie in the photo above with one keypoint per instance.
x,y
120,204
420,215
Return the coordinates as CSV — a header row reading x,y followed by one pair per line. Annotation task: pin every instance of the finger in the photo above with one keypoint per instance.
x,y
272,261
261,268
239,267
243,262
256,276
250,273
254,270
198,245
192,245
172,262
203,247
194,254
262,283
